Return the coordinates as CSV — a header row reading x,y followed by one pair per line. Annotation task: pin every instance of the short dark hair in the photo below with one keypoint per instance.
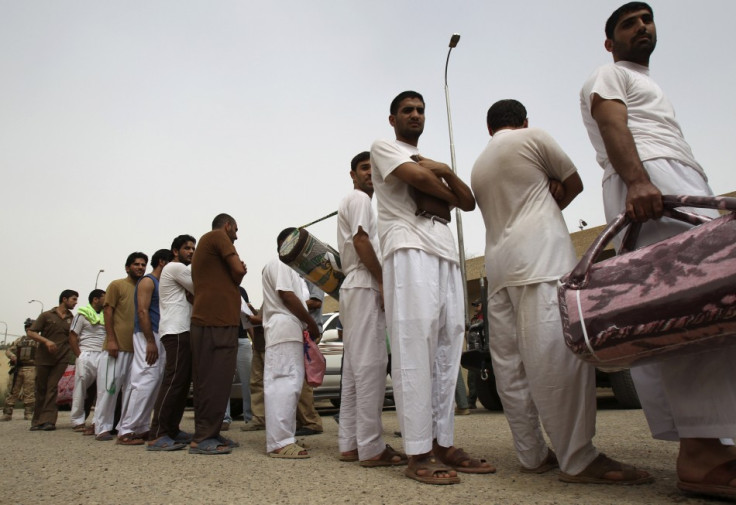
x,y
401,97
359,158
28,322
179,242
161,255
624,9
95,293
284,233
67,293
221,220
134,256
505,113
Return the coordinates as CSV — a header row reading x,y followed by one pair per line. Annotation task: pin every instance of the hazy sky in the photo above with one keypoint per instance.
x,y
124,124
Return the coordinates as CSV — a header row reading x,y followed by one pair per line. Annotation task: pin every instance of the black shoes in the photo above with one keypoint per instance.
x,y
43,427
305,432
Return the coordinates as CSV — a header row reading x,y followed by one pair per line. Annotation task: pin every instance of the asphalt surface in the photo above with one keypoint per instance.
x,y
65,467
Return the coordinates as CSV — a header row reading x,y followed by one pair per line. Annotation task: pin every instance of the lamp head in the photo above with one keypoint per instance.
x,y
454,39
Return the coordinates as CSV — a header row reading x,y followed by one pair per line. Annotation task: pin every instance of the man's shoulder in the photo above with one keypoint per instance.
x,y
606,72
355,196
121,284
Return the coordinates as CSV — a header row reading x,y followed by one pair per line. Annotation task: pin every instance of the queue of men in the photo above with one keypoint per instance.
x,y
403,280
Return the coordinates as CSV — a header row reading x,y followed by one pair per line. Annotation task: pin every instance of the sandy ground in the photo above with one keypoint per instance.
x,y
65,467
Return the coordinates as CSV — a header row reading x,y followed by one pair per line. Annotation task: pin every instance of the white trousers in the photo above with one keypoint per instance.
x,y
283,376
682,397
85,375
113,375
423,297
363,372
538,377
145,380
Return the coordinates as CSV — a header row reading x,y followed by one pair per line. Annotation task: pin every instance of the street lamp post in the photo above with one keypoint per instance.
x,y
37,301
5,338
98,277
458,216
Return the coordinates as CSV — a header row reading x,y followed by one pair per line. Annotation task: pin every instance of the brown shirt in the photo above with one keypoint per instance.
x,y
120,296
216,294
56,329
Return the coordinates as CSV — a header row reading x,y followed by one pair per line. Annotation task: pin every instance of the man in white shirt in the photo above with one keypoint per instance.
x,y
86,337
528,248
360,434
423,293
643,152
284,316
175,292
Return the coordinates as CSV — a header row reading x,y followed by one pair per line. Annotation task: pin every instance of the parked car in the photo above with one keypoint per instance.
x,y
478,363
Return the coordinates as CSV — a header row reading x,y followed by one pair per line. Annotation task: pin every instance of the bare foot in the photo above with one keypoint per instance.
x,y
698,456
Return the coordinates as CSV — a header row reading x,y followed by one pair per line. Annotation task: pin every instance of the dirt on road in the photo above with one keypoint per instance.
x,y
65,467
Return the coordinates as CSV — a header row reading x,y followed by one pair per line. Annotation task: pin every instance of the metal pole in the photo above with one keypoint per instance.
x,y
318,220
5,338
458,216
98,277
37,301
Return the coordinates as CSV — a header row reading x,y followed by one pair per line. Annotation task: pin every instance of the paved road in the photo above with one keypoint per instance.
x,y
64,467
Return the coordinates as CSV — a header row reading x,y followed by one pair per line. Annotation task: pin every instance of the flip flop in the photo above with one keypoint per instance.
x,y
595,473
129,439
715,483
210,447
227,441
183,437
291,451
387,458
549,463
165,443
432,467
461,461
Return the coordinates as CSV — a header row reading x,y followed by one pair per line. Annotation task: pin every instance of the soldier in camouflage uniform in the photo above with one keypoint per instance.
x,y
22,380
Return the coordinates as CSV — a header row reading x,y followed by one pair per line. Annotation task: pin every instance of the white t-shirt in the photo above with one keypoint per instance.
x,y
398,226
353,213
651,117
176,311
279,324
526,237
91,336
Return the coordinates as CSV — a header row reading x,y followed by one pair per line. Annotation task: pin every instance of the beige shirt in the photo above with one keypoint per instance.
x,y
120,296
526,237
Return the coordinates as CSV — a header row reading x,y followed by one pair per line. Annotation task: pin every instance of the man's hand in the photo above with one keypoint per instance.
x,y
52,347
13,360
643,201
556,189
112,348
313,330
438,168
151,353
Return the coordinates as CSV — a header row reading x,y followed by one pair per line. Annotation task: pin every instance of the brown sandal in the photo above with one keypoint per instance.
x,y
715,483
389,457
430,465
595,473
462,462
549,463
